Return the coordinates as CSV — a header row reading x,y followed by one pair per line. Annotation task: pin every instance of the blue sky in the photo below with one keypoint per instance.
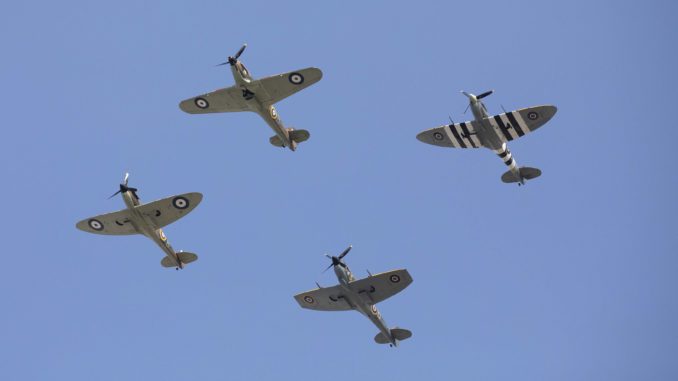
x,y
571,277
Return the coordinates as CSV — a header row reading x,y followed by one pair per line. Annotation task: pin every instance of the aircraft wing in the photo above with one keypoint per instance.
x,y
514,124
229,99
164,212
116,223
323,299
379,287
458,135
281,86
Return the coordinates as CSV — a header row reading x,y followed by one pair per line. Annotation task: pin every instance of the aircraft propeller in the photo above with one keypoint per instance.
x,y
233,59
336,261
125,188
483,95
474,98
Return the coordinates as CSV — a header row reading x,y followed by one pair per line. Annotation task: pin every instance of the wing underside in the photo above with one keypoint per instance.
x,y
323,299
379,287
508,126
230,99
457,135
164,212
275,88
116,223
515,124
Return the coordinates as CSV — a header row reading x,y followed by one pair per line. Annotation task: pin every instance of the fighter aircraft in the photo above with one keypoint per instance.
x,y
258,96
147,219
492,132
361,295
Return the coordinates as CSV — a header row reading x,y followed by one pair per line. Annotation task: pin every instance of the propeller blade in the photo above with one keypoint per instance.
x,y
483,95
114,194
469,105
342,255
467,94
328,267
223,63
240,51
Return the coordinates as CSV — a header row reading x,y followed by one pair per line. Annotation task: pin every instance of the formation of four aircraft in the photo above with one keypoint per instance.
x,y
260,96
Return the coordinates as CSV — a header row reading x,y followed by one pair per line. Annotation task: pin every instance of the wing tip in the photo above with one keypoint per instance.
x,y
185,106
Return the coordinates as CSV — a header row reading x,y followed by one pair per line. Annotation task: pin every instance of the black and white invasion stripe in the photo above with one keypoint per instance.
x,y
462,135
511,125
505,154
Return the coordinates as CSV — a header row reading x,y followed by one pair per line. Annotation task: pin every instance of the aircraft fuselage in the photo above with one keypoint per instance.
x,y
361,302
266,110
146,226
490,138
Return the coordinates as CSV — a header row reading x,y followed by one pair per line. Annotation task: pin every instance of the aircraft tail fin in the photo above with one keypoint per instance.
x,y
184,256
527,173
399,334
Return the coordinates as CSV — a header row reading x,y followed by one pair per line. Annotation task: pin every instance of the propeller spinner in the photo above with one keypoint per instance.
x,y
233,59
125,188
475,98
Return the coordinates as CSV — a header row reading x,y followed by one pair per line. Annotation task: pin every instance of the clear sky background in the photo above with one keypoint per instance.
x,y
572,277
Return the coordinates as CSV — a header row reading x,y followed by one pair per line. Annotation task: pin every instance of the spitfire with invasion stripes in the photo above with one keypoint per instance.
x,y
493,132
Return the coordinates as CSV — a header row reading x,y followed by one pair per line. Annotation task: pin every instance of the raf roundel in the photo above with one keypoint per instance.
x,y
308,299
202,103
532,115
96,224
180,202
437,136
274,113
296,78
395,278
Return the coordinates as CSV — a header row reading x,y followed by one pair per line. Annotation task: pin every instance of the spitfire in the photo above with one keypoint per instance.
x,y
146,219
257,96
361,295
493,132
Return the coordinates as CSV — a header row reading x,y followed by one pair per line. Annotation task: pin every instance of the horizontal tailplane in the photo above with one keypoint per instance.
x,y
184,256
296,136
527,173
299,135
276,141
399,334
